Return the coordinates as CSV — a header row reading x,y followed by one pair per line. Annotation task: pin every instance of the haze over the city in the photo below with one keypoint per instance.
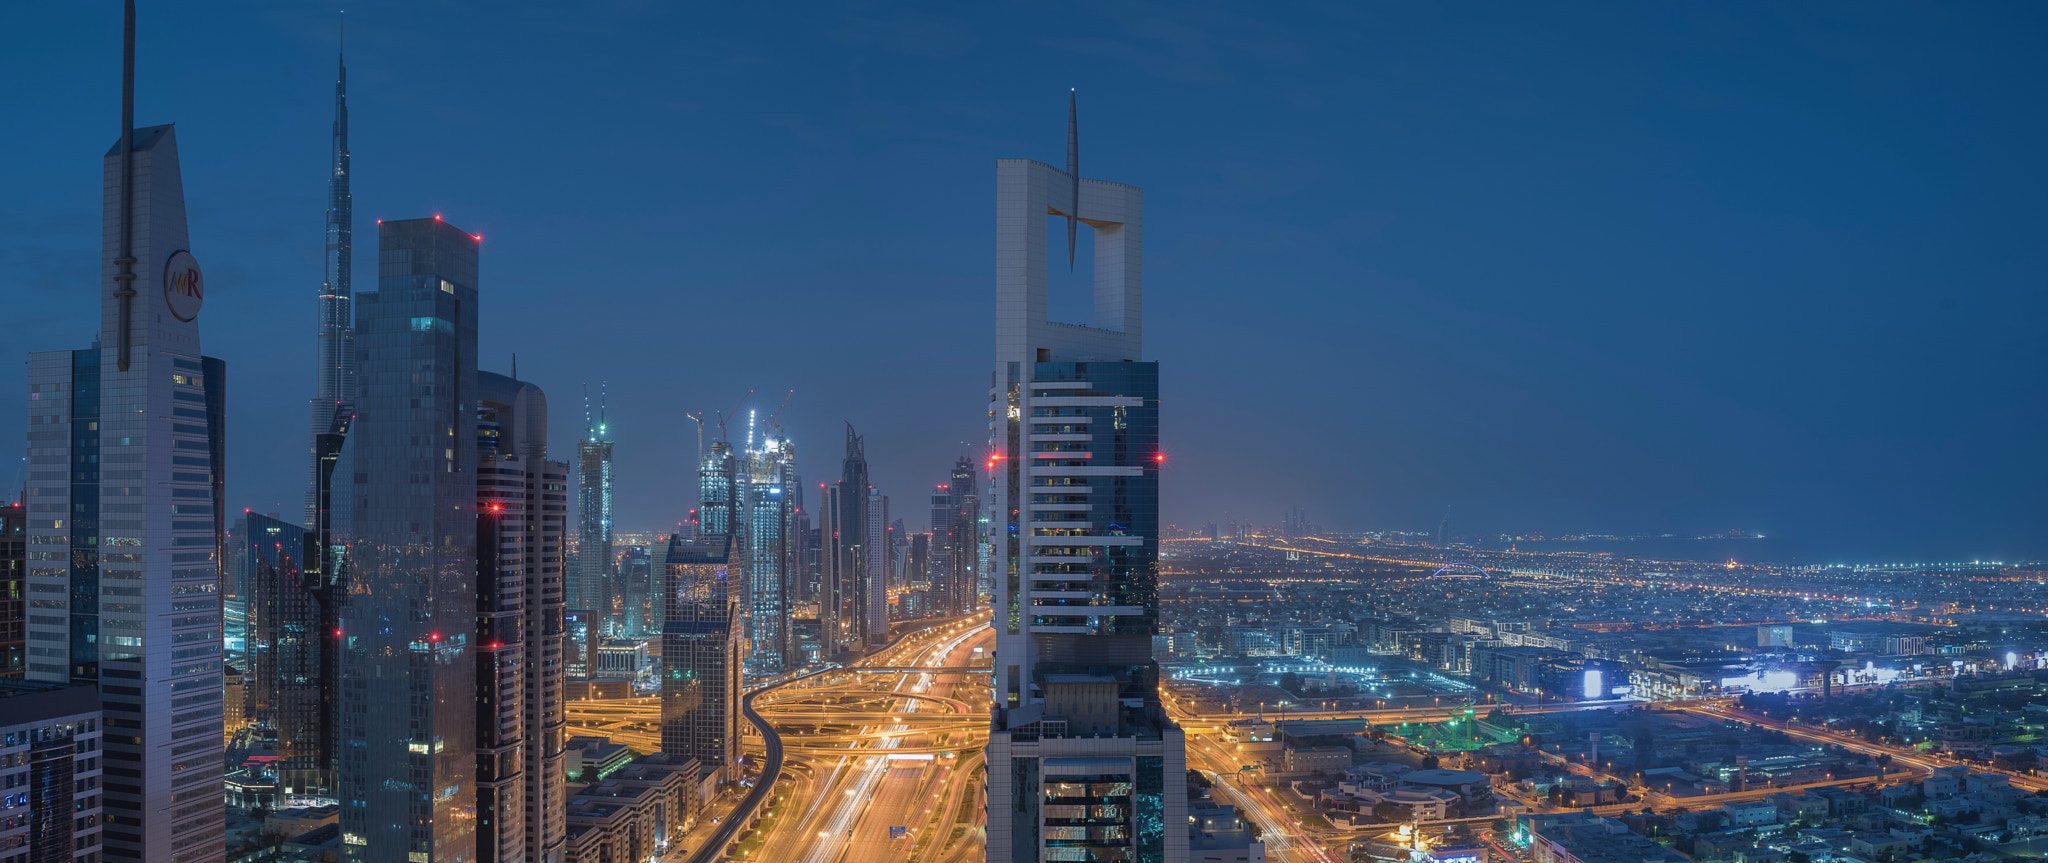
x,y
1599,268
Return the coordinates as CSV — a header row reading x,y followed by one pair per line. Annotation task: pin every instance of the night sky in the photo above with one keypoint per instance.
x,y
1567,267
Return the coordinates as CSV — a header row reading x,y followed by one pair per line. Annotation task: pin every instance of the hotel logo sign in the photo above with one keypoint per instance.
x,y
184,288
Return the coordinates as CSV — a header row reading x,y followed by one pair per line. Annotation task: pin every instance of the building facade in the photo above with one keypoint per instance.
x,y
408,716
1084,763
700,656
125,453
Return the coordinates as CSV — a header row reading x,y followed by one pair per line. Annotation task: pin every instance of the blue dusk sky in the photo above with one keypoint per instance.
x,y
1581,267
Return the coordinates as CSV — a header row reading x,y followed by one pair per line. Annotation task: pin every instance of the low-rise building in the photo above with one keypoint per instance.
x,y
1795,806
593,758
635,812
1581,837
1319,760
1219,835
1758,813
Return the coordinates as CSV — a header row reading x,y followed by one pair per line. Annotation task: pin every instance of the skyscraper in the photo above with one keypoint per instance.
x,y
1083,762
595,585
876,577
408,757
718,492
769,496
847,566
955,555
522,498
13,584
700,656
290,685
334,376
124,464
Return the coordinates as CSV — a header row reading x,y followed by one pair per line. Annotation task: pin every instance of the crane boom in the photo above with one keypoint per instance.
x,y
722,418
775,422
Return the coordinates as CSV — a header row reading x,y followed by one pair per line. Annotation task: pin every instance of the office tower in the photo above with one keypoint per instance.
x,y
848,566
964,576
899,547
594,582
836,557
1084,764
657,580
875,581
334,375
632,575
917,562
13,586
123,470
768,496
288,683
408,717
51,770
522,499
700,656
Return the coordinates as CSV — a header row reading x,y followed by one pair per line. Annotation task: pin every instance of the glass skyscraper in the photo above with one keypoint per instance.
x,y
700,655
596,588
1084,764
408,759
770,494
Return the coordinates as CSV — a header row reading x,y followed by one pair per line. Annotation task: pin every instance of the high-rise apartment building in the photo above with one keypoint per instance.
x,y
408,717
596,587
13,587
700,655
1084,764
125,458
522,502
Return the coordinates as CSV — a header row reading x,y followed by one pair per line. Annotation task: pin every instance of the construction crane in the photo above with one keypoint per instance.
x,y
724,417
698,460
775,421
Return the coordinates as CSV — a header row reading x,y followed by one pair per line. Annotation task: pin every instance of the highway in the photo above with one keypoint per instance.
x,y
869,752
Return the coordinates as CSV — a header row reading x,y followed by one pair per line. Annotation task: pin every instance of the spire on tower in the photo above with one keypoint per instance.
x,y
1073,171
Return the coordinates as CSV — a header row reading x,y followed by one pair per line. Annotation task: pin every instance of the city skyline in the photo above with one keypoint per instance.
x,y
1175,604
1543,392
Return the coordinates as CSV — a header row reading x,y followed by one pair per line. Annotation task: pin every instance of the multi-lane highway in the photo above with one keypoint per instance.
x,y
885,767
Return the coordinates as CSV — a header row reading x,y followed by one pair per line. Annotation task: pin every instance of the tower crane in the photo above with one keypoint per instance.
x,y
698,460
722,418
775,421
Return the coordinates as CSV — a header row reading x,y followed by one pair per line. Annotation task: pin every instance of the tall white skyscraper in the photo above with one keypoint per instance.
x,y
1084,764
125,449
